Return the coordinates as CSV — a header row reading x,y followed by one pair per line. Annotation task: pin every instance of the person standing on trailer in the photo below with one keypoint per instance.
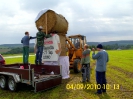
x,y
40,44
25,41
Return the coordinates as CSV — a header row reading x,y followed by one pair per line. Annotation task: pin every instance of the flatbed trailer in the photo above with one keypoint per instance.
x,y
38,76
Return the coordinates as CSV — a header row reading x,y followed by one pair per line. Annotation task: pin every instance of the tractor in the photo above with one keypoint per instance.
x,y
75,47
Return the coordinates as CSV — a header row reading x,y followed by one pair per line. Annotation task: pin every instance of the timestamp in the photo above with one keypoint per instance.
x,y
92,86
109,86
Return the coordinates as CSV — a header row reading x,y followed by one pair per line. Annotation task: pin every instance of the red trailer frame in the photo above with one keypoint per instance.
x,y
39,76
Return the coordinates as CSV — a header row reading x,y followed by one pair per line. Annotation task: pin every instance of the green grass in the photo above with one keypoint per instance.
x,y
18,59
5,55
119,72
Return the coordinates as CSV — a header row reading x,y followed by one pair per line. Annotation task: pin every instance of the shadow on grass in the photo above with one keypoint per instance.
x,y
24,87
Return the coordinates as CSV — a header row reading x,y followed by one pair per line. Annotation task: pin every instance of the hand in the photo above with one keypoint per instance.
x,y
30,37
57,51
93,49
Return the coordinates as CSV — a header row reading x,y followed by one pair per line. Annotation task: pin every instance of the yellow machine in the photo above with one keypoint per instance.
x,y
75,45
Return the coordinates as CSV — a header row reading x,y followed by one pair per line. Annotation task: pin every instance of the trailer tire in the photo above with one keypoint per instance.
x,y
77,66
3,82
12,85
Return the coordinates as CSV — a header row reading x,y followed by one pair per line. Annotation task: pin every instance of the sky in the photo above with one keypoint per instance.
x,y
98,20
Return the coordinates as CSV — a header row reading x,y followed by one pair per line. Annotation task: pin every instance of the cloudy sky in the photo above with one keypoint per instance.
x,y
99,20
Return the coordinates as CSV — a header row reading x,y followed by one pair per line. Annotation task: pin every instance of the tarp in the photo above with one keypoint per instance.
x,y
41,13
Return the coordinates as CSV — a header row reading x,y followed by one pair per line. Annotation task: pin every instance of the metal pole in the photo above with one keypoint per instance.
x,y
46,25
29,73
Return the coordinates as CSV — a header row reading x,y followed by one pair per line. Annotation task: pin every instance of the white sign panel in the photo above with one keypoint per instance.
x,y
50,46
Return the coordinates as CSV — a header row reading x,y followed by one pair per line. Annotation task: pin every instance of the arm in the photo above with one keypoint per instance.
x,y
95,56
107,57
35,48
82,59
59,50
84,55
59,44
48,35
32,37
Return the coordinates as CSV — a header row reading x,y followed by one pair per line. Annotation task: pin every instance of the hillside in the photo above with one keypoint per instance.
x,y
14,45
122,42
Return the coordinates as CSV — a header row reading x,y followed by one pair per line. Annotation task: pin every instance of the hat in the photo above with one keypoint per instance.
x,y
99,46
40,27
86,45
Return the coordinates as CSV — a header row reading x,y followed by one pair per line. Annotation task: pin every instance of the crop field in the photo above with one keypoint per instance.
x,y
119,78
3,50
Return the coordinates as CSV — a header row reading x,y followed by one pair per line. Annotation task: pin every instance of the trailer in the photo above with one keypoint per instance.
x,y
40,77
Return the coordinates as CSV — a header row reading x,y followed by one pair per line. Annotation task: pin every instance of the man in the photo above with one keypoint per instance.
x,y
102,59
77,44
40,44
25,40
85,61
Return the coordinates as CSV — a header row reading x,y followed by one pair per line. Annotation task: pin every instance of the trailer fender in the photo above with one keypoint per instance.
x,y
15,76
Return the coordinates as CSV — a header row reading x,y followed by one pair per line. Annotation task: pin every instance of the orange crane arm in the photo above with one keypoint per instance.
x,y
67,39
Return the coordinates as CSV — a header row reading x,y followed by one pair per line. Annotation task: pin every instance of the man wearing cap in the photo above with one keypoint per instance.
x,y
40,44
25,41
85,61
102,59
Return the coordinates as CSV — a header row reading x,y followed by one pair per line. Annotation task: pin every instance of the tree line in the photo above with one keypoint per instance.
x,y
115,47
19,50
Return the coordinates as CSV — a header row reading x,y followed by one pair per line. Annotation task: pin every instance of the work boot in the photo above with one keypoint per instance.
x,y
88,80
36,63
83,81
40,63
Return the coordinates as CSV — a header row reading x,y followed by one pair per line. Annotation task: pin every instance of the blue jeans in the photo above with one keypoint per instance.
x,y
101,81
86,72
39,53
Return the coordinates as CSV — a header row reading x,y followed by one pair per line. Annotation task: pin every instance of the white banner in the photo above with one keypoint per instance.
x,y
50,46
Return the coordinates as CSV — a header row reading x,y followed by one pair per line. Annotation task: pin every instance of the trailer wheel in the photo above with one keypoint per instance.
x,y
3,82
77,66
12,85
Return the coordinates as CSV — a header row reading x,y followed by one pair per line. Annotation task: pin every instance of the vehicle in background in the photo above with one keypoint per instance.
x,y
75,45
2,60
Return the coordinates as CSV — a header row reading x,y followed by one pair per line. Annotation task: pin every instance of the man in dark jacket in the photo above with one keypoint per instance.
x,y
102,59
25,41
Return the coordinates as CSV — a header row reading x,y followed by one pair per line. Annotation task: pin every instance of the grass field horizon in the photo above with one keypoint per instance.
x,y
119,78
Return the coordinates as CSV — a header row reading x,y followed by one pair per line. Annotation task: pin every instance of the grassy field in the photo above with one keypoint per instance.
x,y
119,78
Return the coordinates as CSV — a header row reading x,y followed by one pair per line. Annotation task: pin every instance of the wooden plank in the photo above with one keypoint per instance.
x,y
48,68
23,72
40,86
46,25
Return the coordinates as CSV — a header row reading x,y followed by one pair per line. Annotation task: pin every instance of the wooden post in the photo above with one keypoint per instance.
x,y
46,25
